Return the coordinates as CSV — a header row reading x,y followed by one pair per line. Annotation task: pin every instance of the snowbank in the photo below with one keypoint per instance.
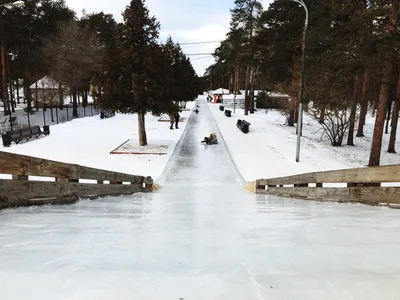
x,y
89,141
269,150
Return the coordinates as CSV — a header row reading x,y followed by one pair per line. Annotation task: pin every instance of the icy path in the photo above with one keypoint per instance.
x,y
201,237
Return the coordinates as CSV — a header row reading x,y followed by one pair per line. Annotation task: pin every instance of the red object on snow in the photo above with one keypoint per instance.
x,y
197,105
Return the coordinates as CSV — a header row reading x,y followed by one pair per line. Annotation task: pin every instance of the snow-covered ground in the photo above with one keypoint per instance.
x,y
89,141
269,150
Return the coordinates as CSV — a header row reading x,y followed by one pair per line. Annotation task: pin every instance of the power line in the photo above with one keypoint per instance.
x,y
198,54
197,58
199,43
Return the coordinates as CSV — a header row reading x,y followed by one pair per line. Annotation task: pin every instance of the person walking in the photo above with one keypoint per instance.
x,y
177,117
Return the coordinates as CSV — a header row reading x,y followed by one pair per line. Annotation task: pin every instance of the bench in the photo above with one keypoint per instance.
x,y
221,108
228,113
107,114
24,134
243,126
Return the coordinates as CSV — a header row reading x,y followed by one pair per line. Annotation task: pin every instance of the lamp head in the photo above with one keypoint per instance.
x,y
18,3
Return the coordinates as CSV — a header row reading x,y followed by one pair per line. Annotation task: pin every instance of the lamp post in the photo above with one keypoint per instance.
x,y
7,109
301,93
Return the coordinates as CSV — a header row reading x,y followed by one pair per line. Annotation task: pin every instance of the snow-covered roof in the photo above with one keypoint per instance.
x,y
46,83
220,91
232,96
270,94
277,95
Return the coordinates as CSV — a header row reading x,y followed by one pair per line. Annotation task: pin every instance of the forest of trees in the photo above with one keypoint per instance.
x,y
352,62
129,70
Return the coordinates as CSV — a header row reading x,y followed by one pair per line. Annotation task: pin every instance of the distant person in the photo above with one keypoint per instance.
x,y
171,119
177,117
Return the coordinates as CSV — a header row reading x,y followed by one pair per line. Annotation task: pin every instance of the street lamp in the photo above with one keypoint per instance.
x,y
14,4
301,94
3,58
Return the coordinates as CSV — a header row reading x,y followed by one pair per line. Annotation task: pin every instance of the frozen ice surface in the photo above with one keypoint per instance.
x,y
201,236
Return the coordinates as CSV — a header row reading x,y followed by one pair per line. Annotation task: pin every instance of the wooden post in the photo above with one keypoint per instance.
x,y
301,185
61,179
20,177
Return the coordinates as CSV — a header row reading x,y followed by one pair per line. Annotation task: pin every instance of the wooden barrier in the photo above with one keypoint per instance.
x,y
363,185
66,186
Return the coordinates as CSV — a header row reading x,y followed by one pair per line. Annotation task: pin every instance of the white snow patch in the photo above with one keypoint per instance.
x,y
269,149
89,141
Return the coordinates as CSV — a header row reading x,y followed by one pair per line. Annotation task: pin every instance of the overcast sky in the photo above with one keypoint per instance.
x,y
185,20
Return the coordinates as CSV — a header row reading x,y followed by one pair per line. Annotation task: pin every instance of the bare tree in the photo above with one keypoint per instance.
x,y
73,54
335,123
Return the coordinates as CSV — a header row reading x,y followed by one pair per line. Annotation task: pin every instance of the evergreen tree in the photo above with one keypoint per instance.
x,y
137,79
245,15
389,56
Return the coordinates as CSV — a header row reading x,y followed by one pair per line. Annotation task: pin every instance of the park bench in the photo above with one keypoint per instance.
x,y
243,126
228,113
107,114
221,108
22,134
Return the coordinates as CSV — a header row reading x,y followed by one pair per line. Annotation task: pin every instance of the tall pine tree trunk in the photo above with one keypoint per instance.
x,y
291,112
246,91
61,94
352,120
375,155
364,103
142,129
395,120
17,87
36,96
74,104
322,114
12,99
389,109
230,84
237,79
252,90
27,91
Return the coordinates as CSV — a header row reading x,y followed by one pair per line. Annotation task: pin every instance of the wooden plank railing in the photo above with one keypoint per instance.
x,y
363,185
67,186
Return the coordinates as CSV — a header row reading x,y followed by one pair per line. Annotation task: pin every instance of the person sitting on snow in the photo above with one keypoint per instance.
x,y
212,139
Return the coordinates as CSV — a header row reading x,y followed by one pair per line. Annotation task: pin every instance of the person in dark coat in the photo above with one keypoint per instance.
x,y
171,119
177,117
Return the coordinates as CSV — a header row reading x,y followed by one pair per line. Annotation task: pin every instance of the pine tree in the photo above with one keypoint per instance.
x,y
245,15
183,82
137,78
388,69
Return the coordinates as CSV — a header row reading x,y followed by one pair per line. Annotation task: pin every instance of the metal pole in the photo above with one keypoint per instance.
x,y
234,97
301,94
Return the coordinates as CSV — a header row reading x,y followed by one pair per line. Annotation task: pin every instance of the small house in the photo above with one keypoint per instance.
x,y
218,94
46,92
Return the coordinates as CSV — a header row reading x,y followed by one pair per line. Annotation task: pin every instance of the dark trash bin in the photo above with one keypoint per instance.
x,y
6,137
228,113
46,129
221,108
